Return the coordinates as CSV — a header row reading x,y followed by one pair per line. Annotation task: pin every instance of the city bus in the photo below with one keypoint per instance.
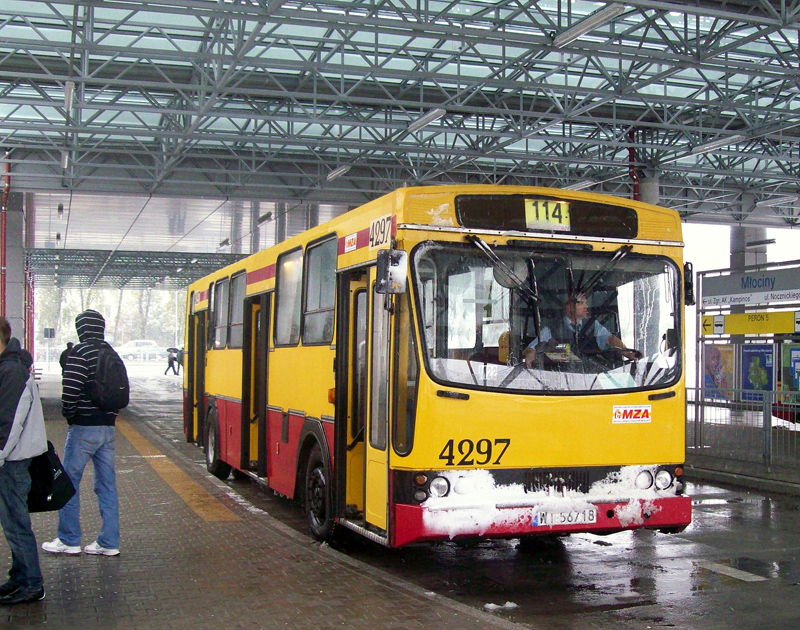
x,y
397,369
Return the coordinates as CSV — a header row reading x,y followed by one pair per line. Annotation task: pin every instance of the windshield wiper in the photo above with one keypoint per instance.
x,y
623,251
493,258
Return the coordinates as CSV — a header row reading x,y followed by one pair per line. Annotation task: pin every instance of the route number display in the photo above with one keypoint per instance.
x,y
547,214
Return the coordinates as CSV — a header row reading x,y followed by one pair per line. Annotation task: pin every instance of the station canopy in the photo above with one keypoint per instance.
x,y
176,125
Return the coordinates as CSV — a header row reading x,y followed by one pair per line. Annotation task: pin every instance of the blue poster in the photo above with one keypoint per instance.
x,y
756,371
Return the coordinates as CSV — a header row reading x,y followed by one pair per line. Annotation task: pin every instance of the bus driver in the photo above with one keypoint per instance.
x,y
572,330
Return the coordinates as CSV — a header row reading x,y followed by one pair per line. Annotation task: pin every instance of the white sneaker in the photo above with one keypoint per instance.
x,y
57,546
96,550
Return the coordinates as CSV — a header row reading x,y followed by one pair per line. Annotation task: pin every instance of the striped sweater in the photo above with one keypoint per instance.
x,y
76,406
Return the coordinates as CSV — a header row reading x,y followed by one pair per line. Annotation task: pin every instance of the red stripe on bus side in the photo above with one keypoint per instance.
x,y
362,240
259,275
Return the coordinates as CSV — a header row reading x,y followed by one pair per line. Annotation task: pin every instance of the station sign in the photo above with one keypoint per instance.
x,y
754,287
765,323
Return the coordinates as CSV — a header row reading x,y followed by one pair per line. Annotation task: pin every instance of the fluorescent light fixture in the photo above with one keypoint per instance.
x,y
581,185
588,24
64,159
179,269
193,261
225,242
426,119
763,242
264,218
69,92
717,144
777,201
337,172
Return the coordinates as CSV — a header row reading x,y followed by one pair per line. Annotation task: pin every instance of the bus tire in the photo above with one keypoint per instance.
x,y
318,496
214,464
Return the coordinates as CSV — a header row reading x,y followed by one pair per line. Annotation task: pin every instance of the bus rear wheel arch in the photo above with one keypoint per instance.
x,y
214,464
317,496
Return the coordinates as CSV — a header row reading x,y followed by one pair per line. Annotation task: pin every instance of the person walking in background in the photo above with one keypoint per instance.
x,y
179,359
62,360
22,437
91,436
170,362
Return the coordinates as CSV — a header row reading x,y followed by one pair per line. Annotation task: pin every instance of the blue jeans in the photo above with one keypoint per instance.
x,y
15,482
96,444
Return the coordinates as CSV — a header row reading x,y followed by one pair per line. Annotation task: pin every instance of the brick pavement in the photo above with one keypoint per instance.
x,y
178,571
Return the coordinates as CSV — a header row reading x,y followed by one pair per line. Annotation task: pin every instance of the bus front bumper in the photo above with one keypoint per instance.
x,y
416,523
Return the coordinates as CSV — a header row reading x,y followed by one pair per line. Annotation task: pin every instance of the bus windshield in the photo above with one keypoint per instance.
x,y
551,321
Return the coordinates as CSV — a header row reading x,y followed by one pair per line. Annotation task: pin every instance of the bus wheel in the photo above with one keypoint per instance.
x,y
214,464
318,497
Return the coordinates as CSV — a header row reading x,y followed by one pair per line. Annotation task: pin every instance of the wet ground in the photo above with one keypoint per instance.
x,y
736,566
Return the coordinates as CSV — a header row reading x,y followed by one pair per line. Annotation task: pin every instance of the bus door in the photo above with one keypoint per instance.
x,y
254,385
377,430
356,417
197,374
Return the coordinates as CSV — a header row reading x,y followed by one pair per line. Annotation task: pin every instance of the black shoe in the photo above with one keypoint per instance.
x,y
8,588
22,597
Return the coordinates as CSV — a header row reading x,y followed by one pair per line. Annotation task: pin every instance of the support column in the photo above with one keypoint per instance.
x,y
255,231
743,255
649,190
15,266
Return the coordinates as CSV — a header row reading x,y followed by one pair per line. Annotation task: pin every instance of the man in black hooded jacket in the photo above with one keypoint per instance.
x,y
91,436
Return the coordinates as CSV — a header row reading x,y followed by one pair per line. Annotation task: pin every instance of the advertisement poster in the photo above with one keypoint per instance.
x,y
790,373
756,371
718,370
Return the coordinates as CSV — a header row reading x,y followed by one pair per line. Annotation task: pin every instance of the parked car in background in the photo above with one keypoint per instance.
x,y
141,350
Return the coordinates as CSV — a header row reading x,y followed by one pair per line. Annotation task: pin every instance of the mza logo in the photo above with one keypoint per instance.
x,y
350,243
632,414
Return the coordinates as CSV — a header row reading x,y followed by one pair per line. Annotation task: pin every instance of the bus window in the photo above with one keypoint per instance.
x,y
379,412
407,371
319,292
236,310
287,309
360,365
221,314
630,304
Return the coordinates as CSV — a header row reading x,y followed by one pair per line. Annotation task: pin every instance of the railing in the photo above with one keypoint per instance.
x,y
746,432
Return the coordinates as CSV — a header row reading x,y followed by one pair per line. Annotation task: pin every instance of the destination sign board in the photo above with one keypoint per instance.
x,y
757,287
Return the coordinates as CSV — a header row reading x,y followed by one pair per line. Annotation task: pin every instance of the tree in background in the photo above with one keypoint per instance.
x,y
129,314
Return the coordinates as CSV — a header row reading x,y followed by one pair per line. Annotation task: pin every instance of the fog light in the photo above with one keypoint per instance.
x,y
663,479
420,496
439,487
644,480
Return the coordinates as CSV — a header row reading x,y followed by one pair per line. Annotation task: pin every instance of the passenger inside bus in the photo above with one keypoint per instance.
x,y
578,333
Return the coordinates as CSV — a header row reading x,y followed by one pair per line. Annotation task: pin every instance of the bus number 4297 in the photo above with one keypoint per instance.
x,y
472,453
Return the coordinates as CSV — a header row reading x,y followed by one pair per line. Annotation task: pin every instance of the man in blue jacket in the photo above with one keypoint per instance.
x,y
91,436
22,437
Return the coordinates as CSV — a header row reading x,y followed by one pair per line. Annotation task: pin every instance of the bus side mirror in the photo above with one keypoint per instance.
x,y
688,284
392,271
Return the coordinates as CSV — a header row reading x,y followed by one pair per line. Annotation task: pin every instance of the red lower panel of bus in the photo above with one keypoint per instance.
x,y
413,523
230,431
283,436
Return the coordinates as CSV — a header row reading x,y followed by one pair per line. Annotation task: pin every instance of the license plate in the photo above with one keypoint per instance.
x,y
574,517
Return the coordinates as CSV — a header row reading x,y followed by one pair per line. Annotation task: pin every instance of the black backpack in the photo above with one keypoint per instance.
x,y
108,387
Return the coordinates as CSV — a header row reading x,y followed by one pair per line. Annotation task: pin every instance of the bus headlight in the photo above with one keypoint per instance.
x,y
439,487
663,479
644,480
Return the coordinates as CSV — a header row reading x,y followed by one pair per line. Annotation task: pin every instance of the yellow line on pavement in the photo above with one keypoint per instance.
x,y
206,506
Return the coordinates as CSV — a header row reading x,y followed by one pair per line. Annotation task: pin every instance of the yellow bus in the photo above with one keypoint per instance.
x,y
453,362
